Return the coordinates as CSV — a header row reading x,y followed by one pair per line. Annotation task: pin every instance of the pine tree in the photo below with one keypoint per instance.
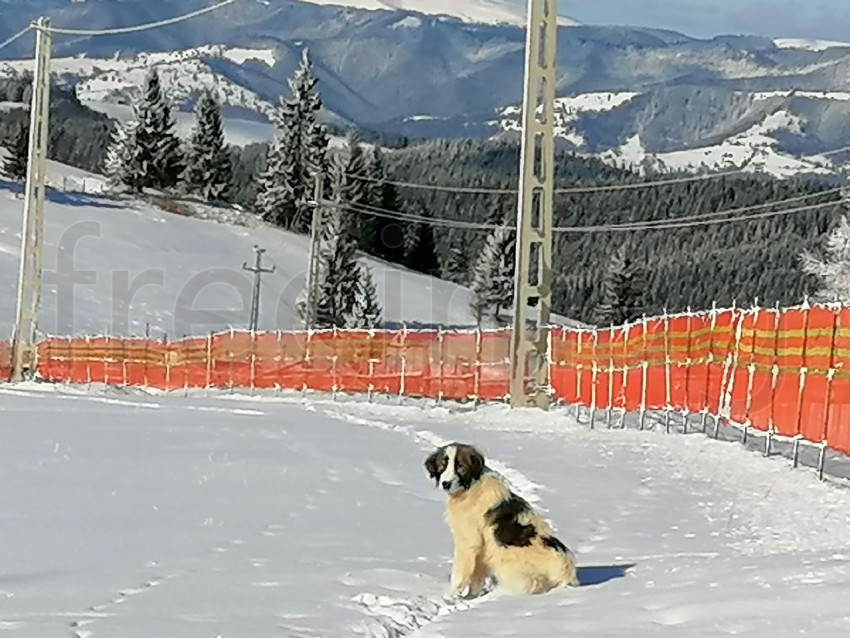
x,y
388,232
834,270
367,310
340,282
357,191
295,156
156,145
15,164
455,267
493,278
623,289
420,247
209,169
119,165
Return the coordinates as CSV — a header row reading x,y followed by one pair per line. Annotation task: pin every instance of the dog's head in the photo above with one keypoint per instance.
x,y
455,467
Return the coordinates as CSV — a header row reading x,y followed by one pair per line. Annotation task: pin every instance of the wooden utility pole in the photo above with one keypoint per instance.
x,y
32,236
314,257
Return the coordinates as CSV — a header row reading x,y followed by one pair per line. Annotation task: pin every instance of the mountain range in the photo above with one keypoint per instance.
x,y
649,98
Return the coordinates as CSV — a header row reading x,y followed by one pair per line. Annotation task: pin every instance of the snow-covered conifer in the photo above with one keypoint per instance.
x,y
832,271
367,312
17,160
208,166
119,166
623,290
340,277
295,156
158,149
493,278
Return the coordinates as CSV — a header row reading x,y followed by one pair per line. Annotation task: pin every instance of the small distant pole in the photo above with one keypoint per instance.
x,y
258,271
313,259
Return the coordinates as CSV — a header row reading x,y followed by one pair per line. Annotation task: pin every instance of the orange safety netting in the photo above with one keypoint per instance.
x,y
451,365
784,371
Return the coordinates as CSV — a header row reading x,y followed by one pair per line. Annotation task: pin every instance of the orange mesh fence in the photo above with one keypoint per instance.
x,y
437,364
784,371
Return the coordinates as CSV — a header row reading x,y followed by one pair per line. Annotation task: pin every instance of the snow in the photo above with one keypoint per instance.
x,y
491,12
183,74
237,131
232,515
753,150
809,45
568,110
185,274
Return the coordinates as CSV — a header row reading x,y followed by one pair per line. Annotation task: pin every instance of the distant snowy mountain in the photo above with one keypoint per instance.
x,y
426,68
494,12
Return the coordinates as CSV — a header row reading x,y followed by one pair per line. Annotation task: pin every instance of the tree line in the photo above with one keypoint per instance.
x,y
601,277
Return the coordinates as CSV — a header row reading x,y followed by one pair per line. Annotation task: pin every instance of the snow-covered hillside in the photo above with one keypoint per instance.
x,y
809,45
567,111
757,148
184,74
111,266
511,12
753,150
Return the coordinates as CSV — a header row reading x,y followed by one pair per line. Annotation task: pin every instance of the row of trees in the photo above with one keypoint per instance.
x,y
600,277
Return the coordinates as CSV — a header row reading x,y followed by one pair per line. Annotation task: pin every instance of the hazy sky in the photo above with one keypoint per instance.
x,y
822,19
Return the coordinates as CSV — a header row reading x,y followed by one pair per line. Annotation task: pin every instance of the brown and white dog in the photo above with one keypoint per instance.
x,y
495,531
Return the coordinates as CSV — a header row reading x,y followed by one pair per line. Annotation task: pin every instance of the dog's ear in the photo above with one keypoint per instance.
x,y
431,464
470,463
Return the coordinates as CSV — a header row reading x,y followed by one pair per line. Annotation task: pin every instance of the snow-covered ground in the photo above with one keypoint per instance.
x,y
237,131
111,266
809,45
228,515
753,150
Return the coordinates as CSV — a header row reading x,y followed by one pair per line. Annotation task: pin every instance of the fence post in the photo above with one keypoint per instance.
x,y
594,378
751,372
441,355
305,360
106,359
836,322
729,365
774,382
334,364
167,361
709,360
645,372
686,409
579,369
476,379
609,410
625,385
402,388
371,393
281,357
668,396
209,362
802,386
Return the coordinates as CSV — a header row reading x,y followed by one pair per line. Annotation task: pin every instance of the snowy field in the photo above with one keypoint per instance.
x,y
294,516
113,266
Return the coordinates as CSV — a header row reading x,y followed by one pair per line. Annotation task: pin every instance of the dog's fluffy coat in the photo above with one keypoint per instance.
x,y
495,531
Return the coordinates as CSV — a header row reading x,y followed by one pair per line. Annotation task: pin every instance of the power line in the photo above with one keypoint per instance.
x,y
140,27
700,219
15,37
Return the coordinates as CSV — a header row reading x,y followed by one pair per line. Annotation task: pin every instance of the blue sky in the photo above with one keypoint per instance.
x,y
822,19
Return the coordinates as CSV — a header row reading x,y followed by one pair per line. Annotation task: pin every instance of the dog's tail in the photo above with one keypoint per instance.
x,y
569,577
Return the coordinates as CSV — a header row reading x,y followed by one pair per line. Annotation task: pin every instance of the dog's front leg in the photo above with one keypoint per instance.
x,y
466,563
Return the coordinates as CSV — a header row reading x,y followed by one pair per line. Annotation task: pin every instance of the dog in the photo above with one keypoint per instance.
x,y
496,533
